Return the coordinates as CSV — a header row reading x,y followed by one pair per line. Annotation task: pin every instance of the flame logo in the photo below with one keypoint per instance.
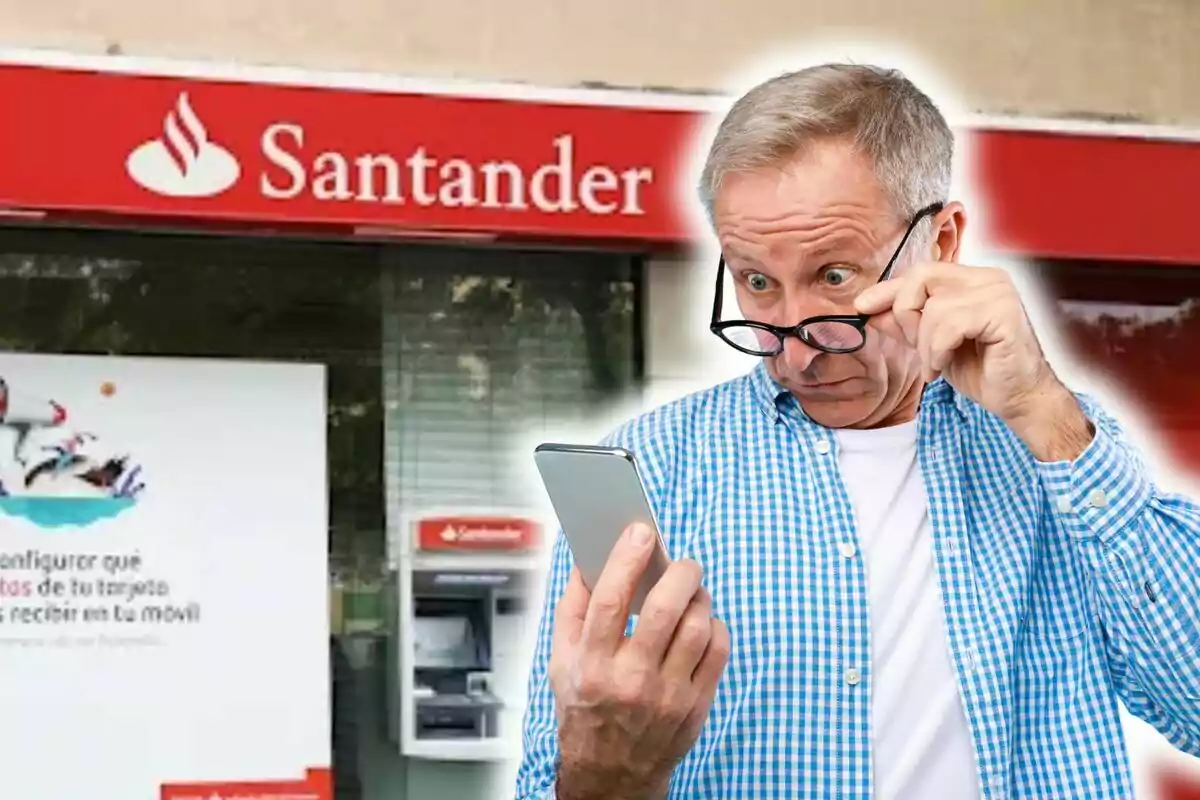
x,y
184,141
185,162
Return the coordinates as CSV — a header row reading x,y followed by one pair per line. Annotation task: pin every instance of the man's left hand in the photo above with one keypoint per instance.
x,y
969,325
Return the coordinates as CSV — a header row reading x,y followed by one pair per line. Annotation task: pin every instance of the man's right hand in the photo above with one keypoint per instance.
x,y
630,708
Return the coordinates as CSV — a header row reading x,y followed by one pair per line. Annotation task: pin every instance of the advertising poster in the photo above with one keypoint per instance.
x,y
163,580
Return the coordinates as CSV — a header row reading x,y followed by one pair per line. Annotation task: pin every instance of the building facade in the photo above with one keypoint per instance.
x,y
472,260
1123,61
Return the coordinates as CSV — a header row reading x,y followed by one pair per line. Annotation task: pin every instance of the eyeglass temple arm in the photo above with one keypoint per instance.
x,y
719,294
932,208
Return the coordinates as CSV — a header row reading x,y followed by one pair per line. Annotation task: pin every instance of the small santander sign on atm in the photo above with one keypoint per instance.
x,y
478,533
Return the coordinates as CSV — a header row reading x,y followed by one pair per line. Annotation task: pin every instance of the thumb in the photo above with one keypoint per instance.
x,y
570,612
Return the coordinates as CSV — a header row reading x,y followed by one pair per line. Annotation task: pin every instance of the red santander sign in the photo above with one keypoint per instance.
x,y
155,145
478,533
79,142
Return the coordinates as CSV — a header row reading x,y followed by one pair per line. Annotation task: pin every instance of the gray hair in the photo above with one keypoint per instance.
x,y
891,121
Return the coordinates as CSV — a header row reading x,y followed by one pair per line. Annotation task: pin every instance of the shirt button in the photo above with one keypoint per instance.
x,y
822,447
1064,504
852,676
1098,499
848,549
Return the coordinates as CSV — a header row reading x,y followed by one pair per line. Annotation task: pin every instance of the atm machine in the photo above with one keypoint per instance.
x,y
465,589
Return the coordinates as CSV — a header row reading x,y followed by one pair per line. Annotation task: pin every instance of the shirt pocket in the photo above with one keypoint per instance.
x,y
1059,608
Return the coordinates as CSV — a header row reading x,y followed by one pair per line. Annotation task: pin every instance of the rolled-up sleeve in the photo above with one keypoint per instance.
x,y
1141,551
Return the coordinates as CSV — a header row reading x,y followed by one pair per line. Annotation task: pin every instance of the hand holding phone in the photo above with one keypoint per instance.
x,y
630,707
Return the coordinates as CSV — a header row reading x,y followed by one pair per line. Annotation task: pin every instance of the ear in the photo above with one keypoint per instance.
x,y
948,226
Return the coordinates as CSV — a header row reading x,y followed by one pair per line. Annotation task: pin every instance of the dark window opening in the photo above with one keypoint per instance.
x,y
435,355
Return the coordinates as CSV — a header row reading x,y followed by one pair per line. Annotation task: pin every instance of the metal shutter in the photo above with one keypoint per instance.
x,y
481,344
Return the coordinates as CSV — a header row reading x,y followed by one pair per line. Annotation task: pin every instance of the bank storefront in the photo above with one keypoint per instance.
x,y
461,268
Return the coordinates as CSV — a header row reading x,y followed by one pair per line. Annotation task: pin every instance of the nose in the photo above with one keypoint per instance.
x,y
798,356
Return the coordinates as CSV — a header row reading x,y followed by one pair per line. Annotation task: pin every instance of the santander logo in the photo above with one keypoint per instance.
x,y
482,534
183,162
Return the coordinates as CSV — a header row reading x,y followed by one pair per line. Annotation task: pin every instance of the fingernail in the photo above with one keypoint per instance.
x,y
641,534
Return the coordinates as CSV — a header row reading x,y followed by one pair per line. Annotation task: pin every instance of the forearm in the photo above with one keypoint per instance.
x,y
1054,425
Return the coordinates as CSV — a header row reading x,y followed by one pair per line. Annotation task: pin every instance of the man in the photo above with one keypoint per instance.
x,y
909,562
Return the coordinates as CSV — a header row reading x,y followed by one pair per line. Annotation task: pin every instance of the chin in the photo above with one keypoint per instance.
x,y
837,413
855,403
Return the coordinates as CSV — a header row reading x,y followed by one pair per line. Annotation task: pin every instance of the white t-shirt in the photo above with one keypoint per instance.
x,y
922,744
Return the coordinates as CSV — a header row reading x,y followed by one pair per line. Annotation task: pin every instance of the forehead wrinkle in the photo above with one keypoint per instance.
x,y
853,243
854,215
794,223
788,214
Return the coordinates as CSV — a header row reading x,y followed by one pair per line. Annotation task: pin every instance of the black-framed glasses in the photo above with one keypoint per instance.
x,y
830,333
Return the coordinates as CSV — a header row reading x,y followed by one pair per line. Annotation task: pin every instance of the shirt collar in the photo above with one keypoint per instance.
x,y
940,392
767,393
772,398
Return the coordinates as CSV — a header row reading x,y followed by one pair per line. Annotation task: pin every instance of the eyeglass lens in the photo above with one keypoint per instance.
x,y
829,335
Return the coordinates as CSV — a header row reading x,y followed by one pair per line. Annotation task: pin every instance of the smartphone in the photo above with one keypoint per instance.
x,y
597,493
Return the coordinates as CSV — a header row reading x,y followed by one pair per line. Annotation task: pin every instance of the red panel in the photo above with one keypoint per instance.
x,y
1184,445
1176,784
317,784
1098,197
478,533
207,145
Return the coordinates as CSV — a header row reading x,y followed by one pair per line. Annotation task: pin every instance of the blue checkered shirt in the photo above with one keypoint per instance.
x,y
1067,586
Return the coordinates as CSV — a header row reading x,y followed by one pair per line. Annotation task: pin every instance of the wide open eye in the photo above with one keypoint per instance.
x,y
757,281
837,276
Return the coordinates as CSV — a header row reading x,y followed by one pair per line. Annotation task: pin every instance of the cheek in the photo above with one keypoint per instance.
x,y
896,356
883,354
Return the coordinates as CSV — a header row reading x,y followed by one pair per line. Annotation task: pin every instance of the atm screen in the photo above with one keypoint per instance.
x,y
445,642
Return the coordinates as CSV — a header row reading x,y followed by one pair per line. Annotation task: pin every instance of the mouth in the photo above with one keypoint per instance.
x,y
823,385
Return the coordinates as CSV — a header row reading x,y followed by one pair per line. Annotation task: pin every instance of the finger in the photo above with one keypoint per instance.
x,y
712,665
911,295
570,613
885,323
947,324
707,676
608,610
692,636
946,339
933,316
878,298
942,277
882,296
665,606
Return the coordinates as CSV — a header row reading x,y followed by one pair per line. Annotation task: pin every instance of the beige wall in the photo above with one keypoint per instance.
x,y
1111,58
